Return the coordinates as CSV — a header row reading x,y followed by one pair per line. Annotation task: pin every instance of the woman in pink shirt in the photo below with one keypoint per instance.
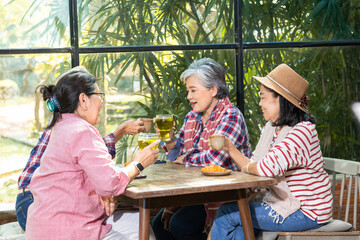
x,y
76,173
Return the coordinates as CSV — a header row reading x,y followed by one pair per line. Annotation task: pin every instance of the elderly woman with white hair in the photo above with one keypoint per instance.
x,y
212,113
288,150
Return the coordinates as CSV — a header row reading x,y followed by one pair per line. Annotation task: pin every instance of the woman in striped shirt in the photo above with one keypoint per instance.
x,y
289,150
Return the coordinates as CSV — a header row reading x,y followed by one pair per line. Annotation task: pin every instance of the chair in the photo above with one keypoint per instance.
x,y
338,228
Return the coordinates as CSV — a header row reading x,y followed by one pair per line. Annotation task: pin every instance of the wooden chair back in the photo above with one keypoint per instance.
x,y
345,181
346,175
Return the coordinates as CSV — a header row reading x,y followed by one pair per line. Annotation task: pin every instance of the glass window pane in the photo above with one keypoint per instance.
x,y
19,76
34,23
146,84
138,23
286,21
333,75
22,113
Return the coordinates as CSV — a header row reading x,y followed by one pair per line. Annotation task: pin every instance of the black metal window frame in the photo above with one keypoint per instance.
x,y
238,46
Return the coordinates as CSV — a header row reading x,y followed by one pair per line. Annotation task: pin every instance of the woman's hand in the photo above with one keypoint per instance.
x,y
228,145
171,133
148,155
180,160
109,204
132,127
129,127
170,144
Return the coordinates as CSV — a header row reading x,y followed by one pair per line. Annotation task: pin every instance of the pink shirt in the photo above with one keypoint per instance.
x,y
75,169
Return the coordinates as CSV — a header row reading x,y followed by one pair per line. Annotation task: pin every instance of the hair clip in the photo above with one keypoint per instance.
x,y
53,105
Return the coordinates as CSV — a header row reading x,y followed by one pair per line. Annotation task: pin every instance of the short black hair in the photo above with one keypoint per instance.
x,y
290,115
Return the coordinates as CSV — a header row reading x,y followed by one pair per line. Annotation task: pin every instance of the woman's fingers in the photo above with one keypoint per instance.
x,y
141,129
180,160
148,155
109,204
157,130
154,144
228,144
138,126
112,207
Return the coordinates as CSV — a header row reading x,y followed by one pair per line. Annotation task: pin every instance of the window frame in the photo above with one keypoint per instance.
x,y
239,46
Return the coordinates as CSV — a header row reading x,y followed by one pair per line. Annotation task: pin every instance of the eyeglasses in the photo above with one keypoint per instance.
x,y
101,94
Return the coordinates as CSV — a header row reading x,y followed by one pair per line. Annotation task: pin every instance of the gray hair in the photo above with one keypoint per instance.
x,y
210,73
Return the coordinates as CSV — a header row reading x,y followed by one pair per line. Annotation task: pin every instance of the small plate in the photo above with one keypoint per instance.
x,y
227,172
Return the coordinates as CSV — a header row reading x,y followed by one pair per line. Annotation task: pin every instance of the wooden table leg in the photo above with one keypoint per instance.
x,y
144,220
245,215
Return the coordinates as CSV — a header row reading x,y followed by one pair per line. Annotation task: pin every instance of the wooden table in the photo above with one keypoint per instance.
x,y
171,185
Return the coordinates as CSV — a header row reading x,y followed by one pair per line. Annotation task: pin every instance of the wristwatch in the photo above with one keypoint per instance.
x,y
138,165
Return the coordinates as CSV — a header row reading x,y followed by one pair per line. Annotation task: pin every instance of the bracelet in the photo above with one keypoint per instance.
x,y
247,167
173,139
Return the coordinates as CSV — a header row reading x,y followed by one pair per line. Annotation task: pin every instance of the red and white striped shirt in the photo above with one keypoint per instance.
x,y
299,157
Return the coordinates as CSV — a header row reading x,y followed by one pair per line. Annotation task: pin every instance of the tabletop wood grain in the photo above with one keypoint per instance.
x,y
171,179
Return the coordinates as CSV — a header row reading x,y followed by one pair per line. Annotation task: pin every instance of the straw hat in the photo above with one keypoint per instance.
x,y
288,84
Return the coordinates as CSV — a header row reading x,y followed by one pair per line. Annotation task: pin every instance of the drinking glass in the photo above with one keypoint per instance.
x,y
146,139
164,123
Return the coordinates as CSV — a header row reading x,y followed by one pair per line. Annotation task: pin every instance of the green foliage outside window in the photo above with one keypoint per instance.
x,y
333,72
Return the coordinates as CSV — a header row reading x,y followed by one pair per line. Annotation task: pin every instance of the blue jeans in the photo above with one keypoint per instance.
x,y
227,224
23,202
186,224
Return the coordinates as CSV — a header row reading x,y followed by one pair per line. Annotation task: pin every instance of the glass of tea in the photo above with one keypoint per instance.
x,y
146,139
164,123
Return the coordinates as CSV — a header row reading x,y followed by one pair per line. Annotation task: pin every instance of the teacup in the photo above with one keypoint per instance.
x,y
147,124
217,141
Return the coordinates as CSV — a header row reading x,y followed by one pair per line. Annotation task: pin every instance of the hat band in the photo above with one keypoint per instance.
x,y
282,87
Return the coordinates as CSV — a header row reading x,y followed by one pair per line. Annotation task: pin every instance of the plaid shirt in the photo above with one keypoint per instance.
x,y
232,125
34,160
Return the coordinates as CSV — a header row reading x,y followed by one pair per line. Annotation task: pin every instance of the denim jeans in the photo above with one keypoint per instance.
x,y
227,224
23,202
186,224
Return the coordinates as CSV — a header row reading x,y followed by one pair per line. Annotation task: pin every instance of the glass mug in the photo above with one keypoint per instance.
x,y
164,123
145,139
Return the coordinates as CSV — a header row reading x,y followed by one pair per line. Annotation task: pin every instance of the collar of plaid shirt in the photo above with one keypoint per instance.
x,y
193,125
